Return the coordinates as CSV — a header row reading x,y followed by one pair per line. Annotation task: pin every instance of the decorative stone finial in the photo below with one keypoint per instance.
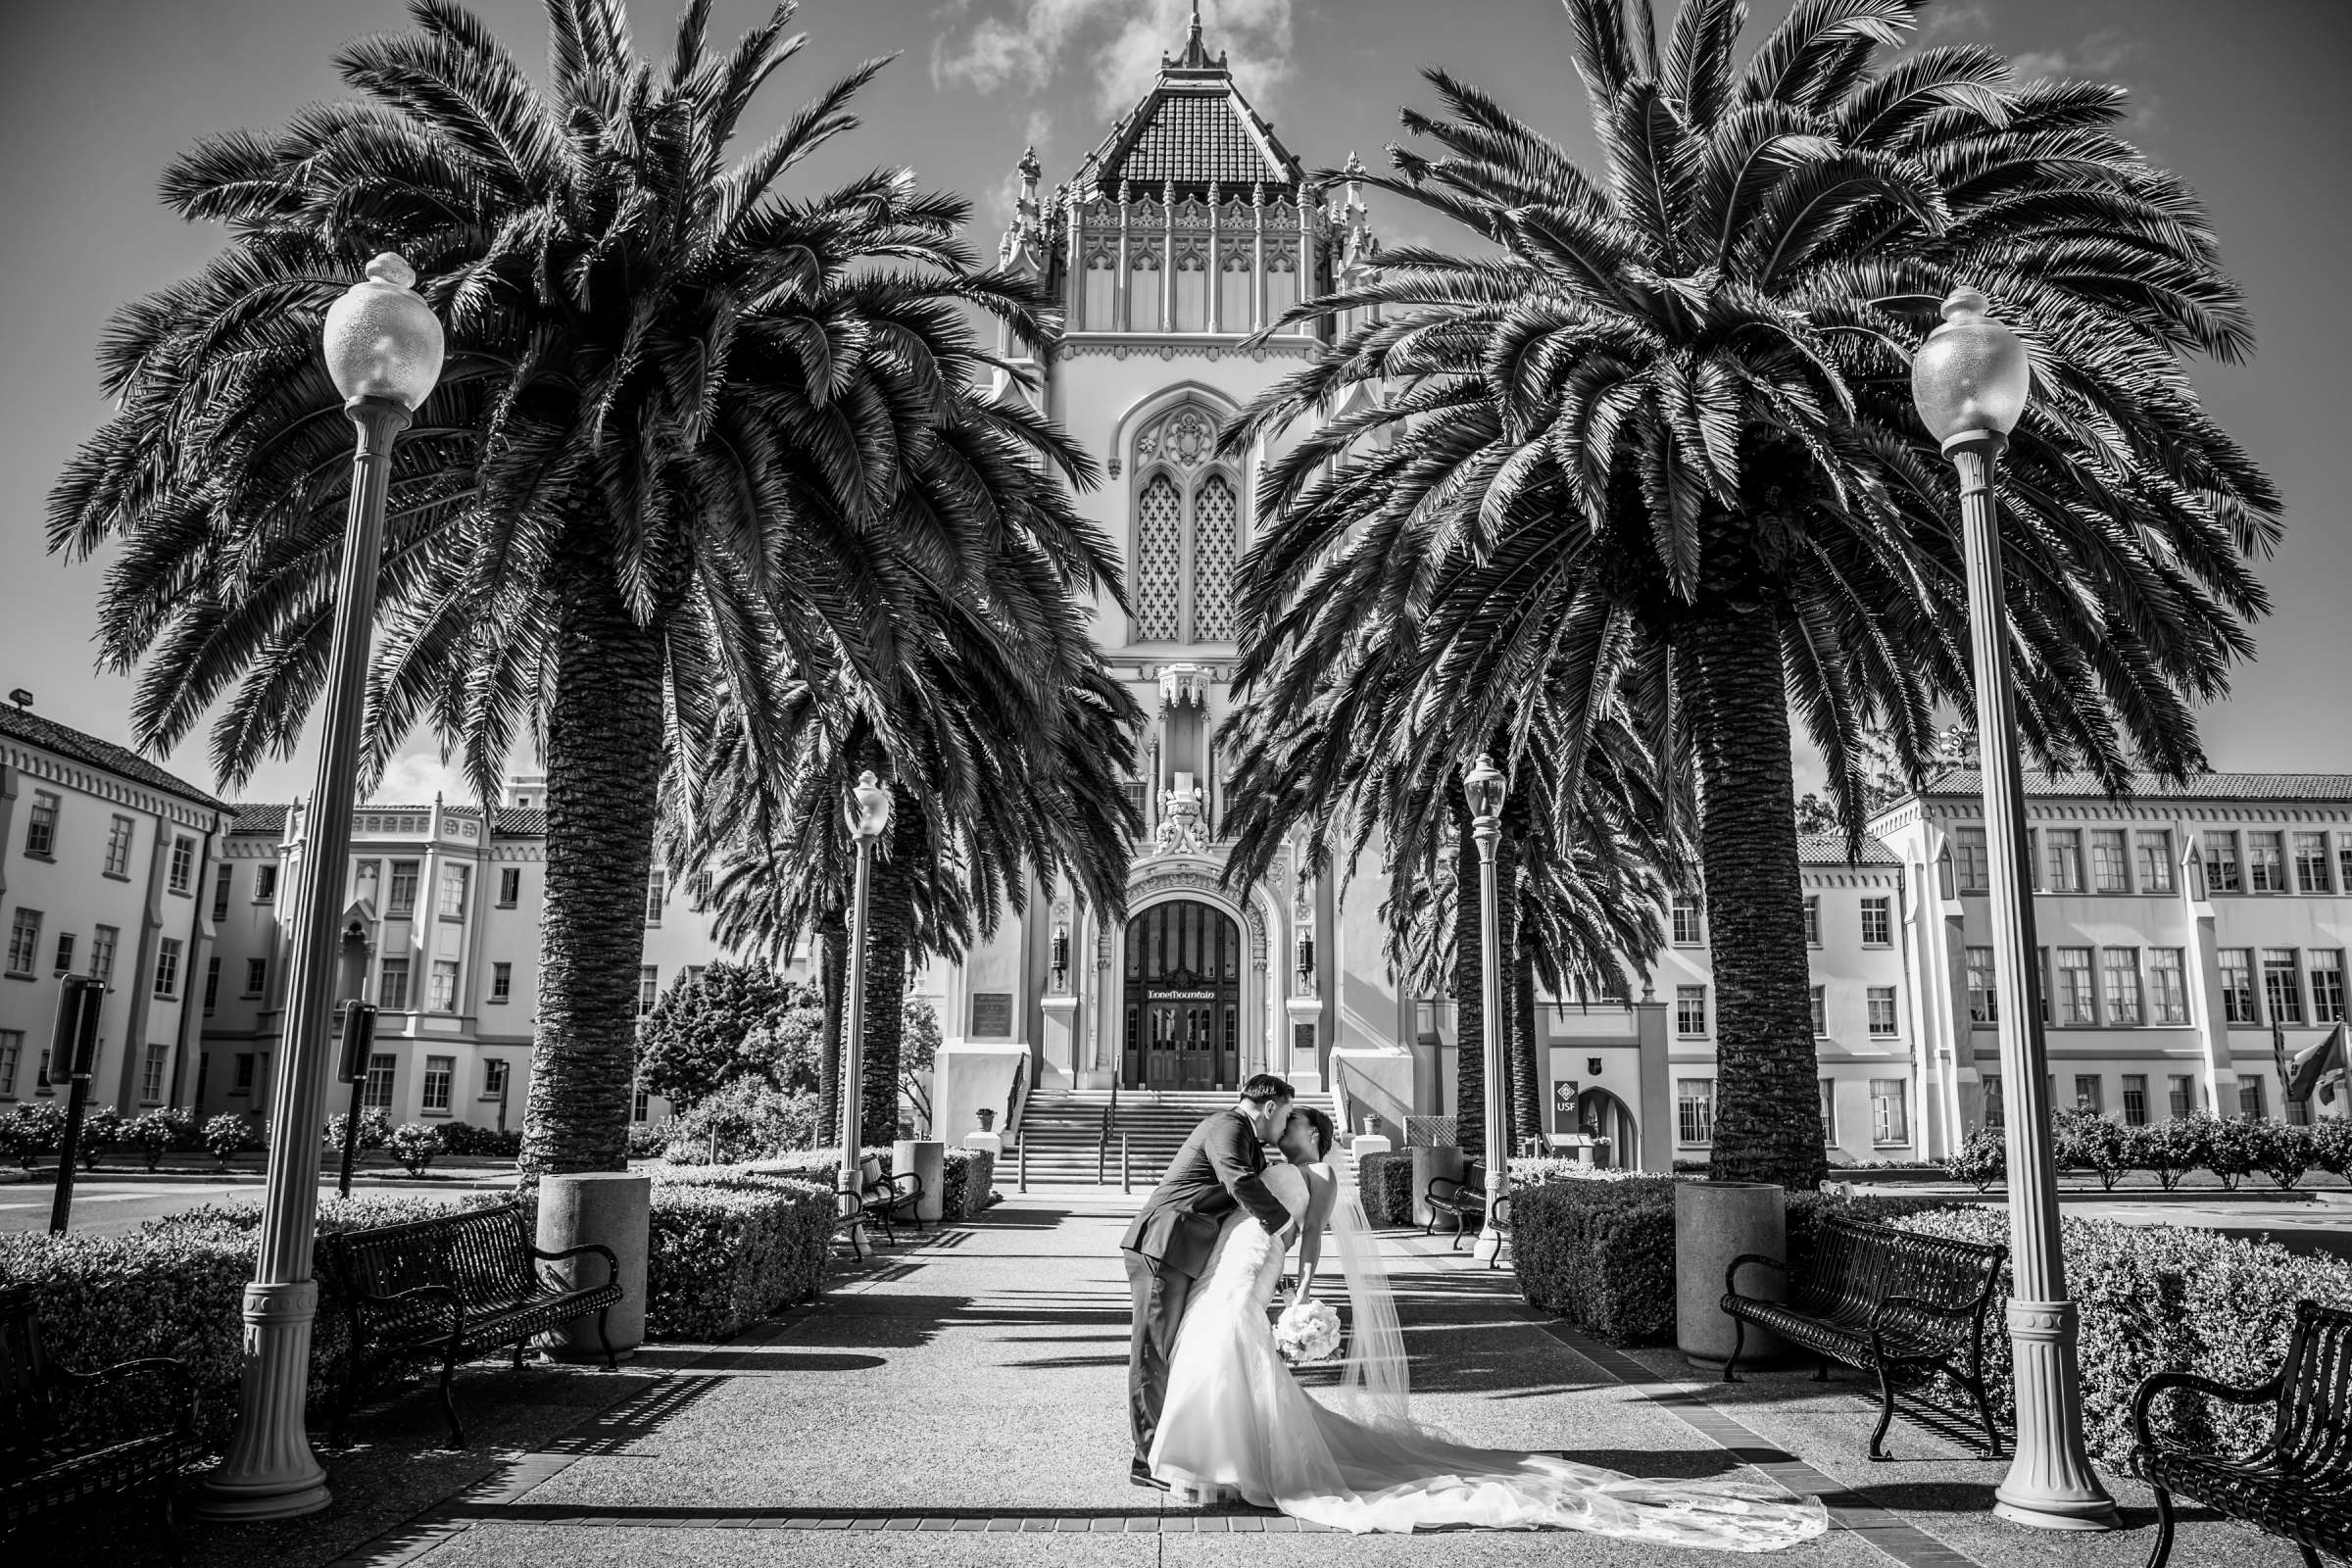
x,y
1029,166
1962,305
390,268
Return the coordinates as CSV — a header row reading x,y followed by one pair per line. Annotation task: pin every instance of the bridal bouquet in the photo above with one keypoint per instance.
x,y
1307,1331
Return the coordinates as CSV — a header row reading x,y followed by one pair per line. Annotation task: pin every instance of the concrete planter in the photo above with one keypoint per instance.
x,y
1428,1165
1715,1222
614,1209
927,1159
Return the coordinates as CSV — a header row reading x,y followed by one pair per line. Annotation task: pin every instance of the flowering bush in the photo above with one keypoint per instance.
x,y
414,1147
32,1130
101,1130
1980,1162
748,1118
2233,1149
464,1139
225,1135
2284,1152
2169,1150
375,1129
2084,1140
155,1134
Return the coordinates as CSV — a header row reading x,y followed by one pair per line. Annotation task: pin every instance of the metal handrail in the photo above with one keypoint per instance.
x,y
1111,1122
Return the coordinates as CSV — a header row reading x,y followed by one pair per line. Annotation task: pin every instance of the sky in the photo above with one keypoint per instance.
x,y
2245,100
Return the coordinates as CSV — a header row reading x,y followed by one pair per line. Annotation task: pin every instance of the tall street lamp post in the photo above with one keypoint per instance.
x,y
383,352
1483,787
1970,381
869,818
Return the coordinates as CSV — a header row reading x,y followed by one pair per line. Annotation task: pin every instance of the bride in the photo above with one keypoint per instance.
x,y
1236,1421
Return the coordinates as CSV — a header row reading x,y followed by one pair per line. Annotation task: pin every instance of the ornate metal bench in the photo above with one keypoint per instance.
x,y
1894,1302
1466,1201
2297,1485
46,1462
455,1285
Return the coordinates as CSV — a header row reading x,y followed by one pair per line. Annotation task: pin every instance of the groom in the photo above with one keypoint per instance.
x,y
1168,1246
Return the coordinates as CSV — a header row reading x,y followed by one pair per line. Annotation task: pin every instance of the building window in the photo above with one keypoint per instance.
x,y
41,829
510,886
1158,562
2327,985
2156,861
2249,1098
2090,1093
1102,292
12,1058
438,1071
1694,1111
1878,922
25,942
445,985
65,953
392,989
1882,1011
257,975
2181,1095
1690,1010
657,888
166,967
1983,998
494,1078
243,1083
1889,1121
223,876
211,982
2281,987
640,1107
403,902
118,846
1812,920
2265,864
453,893
2237,984
1821,1012
2220,862
697,892
265,883
1972,873
2108,870
2311,863
2136,1099
2075,1004
1828,1110
1686,920
1993,1101
151,1074
183,865
1143,291
2343,866
2123,986
2062,848
502,981
649,988
2168,984
376,1094
102,954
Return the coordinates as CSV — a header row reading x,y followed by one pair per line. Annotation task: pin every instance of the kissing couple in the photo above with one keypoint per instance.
x,y
1218,1414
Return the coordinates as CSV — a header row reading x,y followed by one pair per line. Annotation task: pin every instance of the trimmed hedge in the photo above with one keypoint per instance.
x,y
1600,1254
965,1181
1384,1182
2157,1296
728,1247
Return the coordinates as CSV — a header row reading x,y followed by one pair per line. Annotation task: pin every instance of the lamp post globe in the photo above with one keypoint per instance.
x,y
1483,788
383,351
867,816
1970,381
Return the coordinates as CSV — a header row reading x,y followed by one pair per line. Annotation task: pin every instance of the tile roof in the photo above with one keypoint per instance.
x,y
1192,127
24,724
1968,782
1829,849
253,819
516,822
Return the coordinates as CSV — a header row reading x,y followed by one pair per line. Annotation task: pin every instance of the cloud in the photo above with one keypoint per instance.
x,y
2040,65
1952,21
1025,44
2100,55
416,777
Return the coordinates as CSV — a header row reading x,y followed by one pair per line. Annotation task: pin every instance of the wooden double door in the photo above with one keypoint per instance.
x,y
1183,999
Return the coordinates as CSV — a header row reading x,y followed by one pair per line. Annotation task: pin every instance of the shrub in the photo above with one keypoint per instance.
x,y
2171,1150
965,1175
2156,1297
2285,1151
1386,1184
225,1135
2331,1144
749,1119
152,1135
2233,1149
729,1021
2084,1140
1982,1161
33,1129
729,1247
464,1138
647,1139
101,1130
414,1147
375,1129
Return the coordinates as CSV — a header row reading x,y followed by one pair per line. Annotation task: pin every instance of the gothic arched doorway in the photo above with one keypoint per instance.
x,y
1183,1002
1601,1114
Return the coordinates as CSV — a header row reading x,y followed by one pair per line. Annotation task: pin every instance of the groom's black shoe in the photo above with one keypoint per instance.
x,y
1141,1474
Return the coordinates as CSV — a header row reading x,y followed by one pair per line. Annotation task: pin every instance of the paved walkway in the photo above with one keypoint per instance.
x,y
964,1394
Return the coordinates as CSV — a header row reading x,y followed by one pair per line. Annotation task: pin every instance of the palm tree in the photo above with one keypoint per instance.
x,y
1659,438
694,434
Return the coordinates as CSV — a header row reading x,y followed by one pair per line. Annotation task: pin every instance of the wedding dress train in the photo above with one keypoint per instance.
x,y
1237,1421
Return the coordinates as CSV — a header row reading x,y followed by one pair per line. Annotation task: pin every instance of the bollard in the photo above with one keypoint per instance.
x,y
1021,1153
1126,1167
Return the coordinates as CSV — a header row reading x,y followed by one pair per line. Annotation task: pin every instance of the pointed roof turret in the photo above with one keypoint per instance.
x,y
1194,130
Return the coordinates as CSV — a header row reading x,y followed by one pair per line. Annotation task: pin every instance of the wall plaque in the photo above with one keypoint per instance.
x,y
991,1015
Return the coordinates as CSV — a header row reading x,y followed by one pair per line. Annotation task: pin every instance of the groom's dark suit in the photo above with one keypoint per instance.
x,y
1168,1246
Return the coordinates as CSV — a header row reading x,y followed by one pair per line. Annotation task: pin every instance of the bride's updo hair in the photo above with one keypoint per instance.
x,y
1325,1133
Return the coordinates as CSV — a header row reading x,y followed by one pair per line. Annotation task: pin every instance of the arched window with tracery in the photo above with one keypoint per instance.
x,y
1187,531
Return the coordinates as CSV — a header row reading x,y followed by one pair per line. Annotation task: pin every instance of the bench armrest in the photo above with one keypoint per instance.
x,y
2145,1440
1914,1304
1463,1191
172,1371
440,1293
1730,1275
853,1208
1502,1212
611,1262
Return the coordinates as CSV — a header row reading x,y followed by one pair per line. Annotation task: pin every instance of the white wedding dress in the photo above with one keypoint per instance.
x,y
1236,1421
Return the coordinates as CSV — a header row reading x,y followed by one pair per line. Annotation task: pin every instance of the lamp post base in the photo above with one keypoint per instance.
x,y
269,1471
2050,1484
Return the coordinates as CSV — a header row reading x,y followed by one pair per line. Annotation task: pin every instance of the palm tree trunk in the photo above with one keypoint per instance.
x,y
1767,1116
1507,850
1469,1005
833,945
603,762
1527,1048
890,911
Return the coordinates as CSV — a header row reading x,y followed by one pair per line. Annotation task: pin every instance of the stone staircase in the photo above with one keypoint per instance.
x,y
1063,1131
